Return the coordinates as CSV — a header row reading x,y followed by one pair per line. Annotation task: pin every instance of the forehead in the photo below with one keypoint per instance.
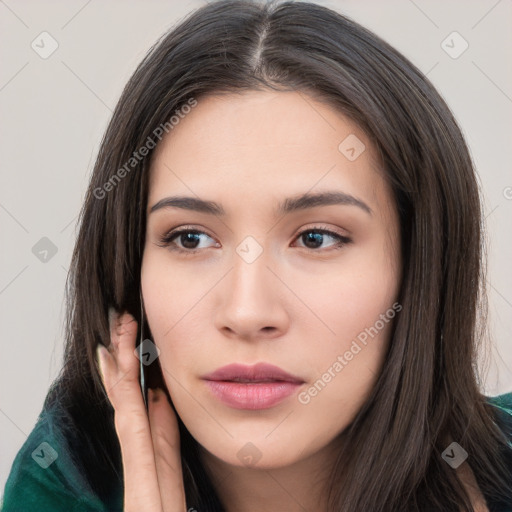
x,y
263,142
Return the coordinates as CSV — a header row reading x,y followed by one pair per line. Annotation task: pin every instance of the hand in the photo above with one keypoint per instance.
x,y
150,443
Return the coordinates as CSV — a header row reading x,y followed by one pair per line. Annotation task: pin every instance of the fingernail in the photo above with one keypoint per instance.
x,y
100,358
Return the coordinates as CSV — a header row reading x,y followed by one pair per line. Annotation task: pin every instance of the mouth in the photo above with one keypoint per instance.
x,y
252,387
261,372
252,381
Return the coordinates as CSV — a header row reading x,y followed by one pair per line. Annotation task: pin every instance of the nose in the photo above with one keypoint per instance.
x,y
251,301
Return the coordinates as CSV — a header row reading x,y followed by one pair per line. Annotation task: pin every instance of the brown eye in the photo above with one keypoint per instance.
x,y
187,241
183,240
314,238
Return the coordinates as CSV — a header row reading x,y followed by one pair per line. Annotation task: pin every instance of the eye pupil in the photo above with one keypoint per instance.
x,y
313,236
189,237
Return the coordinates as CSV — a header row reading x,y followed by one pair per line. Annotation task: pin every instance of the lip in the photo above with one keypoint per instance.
x,y
264,385
256,372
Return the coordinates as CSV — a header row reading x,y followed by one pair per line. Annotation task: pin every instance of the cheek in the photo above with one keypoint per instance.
x,y
351,298
345,371
169,298
357,308
171,295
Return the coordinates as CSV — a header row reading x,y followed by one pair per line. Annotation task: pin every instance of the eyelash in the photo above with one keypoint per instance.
x,y
167,239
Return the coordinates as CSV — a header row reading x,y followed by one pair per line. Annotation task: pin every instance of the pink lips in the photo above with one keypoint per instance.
x,y
252,387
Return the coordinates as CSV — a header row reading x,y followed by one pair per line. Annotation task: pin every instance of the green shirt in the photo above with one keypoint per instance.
x,y
44,478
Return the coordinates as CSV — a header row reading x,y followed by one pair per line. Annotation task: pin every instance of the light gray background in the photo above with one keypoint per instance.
x,y
54,112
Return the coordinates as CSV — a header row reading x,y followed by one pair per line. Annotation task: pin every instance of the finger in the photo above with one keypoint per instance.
x,y
166,444
118,366
123,332
107,366
121,377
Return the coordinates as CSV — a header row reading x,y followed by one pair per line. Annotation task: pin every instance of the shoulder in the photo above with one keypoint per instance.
x,y
502,406
502,401
43,475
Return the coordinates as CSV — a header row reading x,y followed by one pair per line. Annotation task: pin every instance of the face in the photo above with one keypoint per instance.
x,y
306,285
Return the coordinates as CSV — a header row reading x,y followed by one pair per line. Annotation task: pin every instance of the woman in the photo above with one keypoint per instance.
x,y
284,223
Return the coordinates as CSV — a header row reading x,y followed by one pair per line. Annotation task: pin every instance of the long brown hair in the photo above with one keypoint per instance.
x,y
427,394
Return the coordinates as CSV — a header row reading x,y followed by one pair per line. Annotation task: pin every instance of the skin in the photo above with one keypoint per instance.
x,y
296,306
149,442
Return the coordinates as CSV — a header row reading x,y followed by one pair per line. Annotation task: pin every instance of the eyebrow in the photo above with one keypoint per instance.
x,y
289,205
